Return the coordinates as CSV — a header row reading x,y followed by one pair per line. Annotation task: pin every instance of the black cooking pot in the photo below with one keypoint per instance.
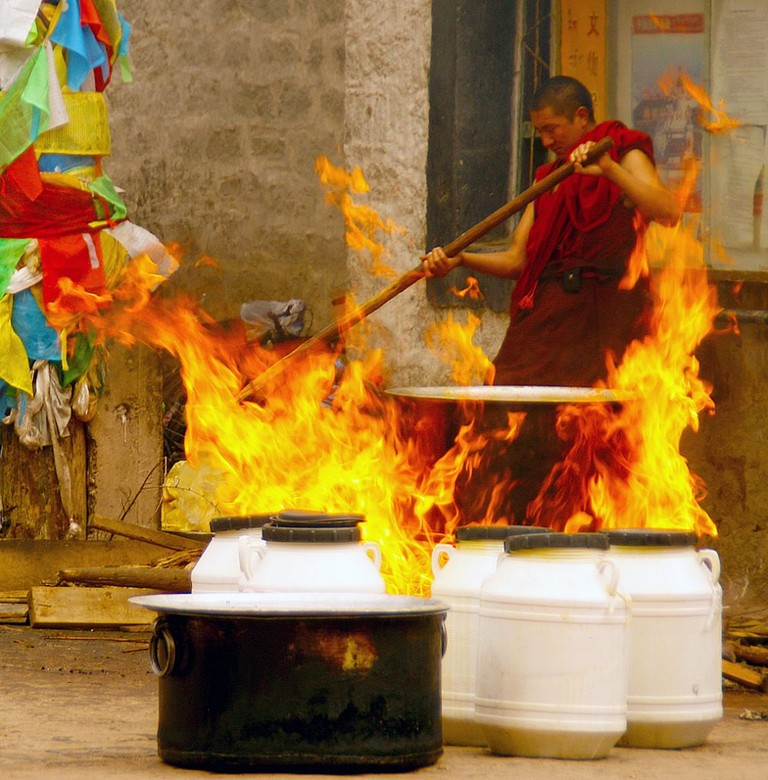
x,y
433,416
305,682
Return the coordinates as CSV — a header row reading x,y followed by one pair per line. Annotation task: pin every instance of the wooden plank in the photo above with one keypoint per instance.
x,y
743,674
25,563
139,533
51,607
168,580
13,612
13,596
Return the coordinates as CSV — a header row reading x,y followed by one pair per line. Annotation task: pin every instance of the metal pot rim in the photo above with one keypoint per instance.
x,y
289,604
515,394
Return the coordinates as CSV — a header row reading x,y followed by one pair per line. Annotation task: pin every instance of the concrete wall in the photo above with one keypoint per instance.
x,y
215,143
729,451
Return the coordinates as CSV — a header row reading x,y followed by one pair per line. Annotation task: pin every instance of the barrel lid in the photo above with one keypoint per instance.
x,y
650,537
239,523
304,518
467,533
556,540
272,532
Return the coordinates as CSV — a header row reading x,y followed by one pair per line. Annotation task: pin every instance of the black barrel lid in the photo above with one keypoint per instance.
x,y
239,523
272,532
467,533
304,518
590,541
650,537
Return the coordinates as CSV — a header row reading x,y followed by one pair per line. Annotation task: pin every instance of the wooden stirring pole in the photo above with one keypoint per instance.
x,y
333,331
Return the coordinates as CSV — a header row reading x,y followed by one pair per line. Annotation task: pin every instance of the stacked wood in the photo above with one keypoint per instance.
x,y
87,584
745,649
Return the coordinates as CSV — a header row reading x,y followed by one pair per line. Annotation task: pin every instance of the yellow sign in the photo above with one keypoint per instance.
x,y
582,47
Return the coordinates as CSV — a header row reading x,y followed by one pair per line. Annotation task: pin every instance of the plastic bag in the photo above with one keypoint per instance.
x,y
274,321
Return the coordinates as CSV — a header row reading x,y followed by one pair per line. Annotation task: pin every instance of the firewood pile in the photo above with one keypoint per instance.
x,y
745,649
88,593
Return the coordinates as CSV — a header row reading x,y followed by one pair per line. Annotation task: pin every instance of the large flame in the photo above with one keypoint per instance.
x,y
329,438
624,467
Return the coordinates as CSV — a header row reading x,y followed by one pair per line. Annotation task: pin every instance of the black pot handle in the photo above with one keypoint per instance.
x,y
444,637
162,648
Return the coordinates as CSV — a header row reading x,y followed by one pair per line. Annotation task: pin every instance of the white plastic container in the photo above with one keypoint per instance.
x,y
674,697
459,572
552,649
307,553
218,568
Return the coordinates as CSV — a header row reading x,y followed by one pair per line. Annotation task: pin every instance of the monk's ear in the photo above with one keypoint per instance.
x,y
581,116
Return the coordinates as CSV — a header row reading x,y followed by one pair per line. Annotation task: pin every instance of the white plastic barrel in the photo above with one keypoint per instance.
x,y
218,568
310,553
674,697
459,572
552,649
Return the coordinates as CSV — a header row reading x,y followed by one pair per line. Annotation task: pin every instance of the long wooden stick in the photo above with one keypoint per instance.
x,y
334,330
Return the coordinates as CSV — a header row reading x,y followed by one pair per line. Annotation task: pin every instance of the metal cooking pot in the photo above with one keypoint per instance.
x,y
432,416
306,682
512,395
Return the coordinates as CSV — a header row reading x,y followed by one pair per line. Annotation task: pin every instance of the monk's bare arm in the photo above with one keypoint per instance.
x,y
637,177
505,264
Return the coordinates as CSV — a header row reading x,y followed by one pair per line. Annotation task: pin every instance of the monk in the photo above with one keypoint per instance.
x,y
570,314
571,247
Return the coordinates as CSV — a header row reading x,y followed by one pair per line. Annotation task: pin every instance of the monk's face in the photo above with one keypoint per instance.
x,y
559,133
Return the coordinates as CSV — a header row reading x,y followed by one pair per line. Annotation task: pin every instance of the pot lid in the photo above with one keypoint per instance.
x,y
303,518
289,604
239,523
272,532
650,537
471,533
550,541
514,394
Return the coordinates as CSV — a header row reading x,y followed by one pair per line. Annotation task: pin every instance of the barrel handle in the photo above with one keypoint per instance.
x,y
162,648
373,551
247,548
443,637
711,560
612,578
437,551
609,571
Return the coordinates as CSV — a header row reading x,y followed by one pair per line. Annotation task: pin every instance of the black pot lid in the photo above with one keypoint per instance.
x,y
467,533
312,534
592,541
303,518
650,537
289,605
239,523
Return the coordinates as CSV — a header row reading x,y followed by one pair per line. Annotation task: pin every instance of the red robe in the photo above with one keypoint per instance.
x,y
561,338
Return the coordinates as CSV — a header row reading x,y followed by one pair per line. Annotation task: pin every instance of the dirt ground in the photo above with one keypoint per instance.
x,y
83,704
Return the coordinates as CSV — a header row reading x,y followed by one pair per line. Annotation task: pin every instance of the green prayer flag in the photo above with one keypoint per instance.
x,y
24,108
104,187
11,250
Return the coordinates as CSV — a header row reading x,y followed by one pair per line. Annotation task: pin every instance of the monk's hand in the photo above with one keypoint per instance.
x,y
437,263
579,154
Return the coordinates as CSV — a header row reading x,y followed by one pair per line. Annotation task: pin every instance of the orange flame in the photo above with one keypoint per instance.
x,y
720,121
471,291
331,440
454,343
362,223
624,467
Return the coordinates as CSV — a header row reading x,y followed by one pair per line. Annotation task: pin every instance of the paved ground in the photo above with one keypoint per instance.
x,y
83,705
